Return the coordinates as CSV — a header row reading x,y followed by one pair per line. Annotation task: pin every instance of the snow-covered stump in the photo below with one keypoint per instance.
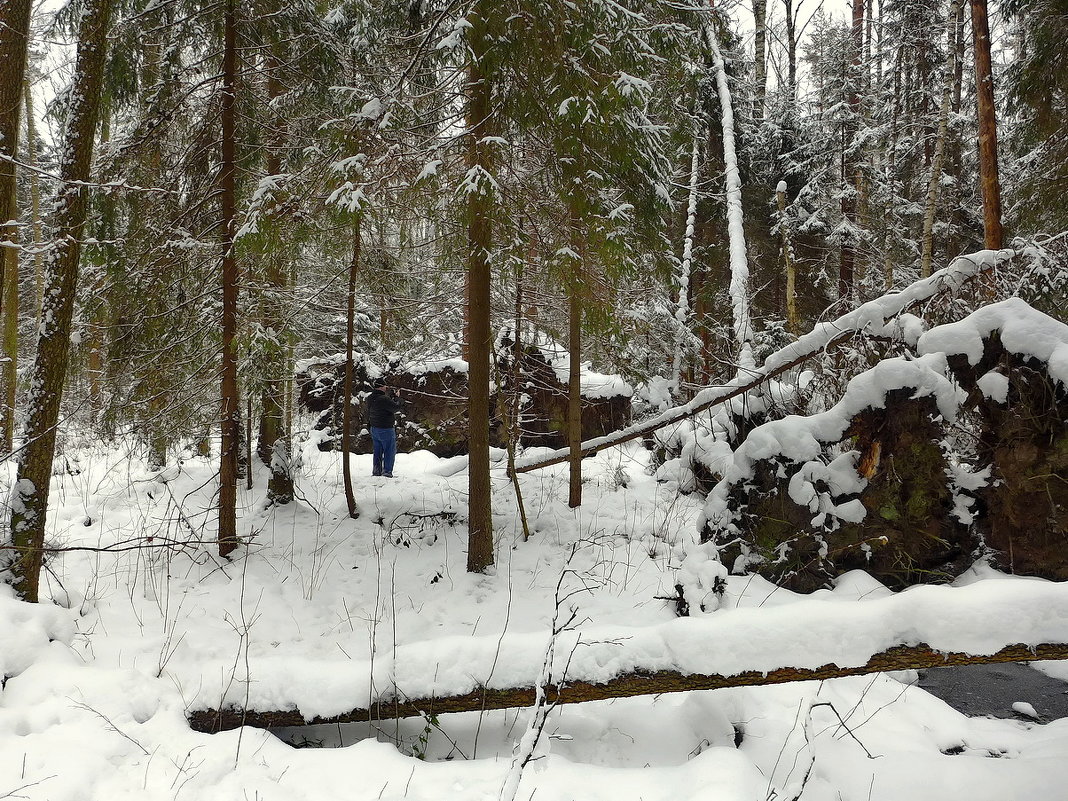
x,y
884,505
1014,362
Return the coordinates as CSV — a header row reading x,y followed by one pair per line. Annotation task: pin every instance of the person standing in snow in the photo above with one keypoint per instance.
x,y
383,403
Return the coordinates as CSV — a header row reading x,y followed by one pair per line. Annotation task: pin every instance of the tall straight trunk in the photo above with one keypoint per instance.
x,y
274,446
889,224
793,321
35,200
760,13
682,310
479,243
935,181
574,394
14,34
49,370
230,412
851,171
791,51
346,396
10,314
988,127
739,262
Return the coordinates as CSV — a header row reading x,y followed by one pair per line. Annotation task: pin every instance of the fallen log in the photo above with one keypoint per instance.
x,y
874,314
901,657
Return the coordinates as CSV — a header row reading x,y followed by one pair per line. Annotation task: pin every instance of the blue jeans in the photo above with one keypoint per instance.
x,y
384,441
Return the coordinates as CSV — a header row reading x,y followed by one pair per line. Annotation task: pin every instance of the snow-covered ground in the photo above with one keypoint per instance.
x,y
325,612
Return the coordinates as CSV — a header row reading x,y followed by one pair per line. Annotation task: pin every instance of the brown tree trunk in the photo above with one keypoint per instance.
x,y
346,397
628,685
230,414
49,370
273,445
988,128
14,34
10,314
479,243
35,201
851,159
760,12
574,394
935,182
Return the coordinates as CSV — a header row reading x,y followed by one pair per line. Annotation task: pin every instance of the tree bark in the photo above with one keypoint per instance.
x,y
574,393
49,370
230,414
935,182
988,129
9,274
628,685
346,397
760,12
14,34
479,244
793,321
35,200
274,446
851,158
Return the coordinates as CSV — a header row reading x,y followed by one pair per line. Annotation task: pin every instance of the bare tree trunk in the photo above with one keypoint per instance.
x,y
346,397
35,200
14,34
851,159
574,394
935,182
791,51
760,13
988,128
47,376
229,417
793,321
274,445
479,243
10,314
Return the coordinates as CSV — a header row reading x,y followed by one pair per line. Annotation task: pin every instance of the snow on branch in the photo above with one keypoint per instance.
x,y
871,316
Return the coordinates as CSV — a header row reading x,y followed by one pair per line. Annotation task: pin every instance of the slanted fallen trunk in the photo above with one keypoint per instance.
x,y
902,657
874,314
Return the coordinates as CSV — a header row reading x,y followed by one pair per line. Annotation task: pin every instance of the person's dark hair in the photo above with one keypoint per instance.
x,y
378,383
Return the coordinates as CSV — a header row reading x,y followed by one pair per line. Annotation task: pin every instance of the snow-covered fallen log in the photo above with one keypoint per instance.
x,y
996,620
873,315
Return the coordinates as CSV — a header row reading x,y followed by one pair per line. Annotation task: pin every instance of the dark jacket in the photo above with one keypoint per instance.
x,y
381,408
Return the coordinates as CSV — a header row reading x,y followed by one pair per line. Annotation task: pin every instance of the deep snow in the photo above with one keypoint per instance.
x,y
323,611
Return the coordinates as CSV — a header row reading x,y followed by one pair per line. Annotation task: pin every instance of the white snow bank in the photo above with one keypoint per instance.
x,y
979,618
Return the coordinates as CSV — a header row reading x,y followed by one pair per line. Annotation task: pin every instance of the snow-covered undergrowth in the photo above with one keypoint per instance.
x,y
326,609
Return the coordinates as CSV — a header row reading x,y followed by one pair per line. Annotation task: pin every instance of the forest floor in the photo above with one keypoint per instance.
x,y
100,680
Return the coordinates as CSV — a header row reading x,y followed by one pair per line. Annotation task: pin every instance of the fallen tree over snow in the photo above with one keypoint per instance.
x,y
873,316
998,620
483,699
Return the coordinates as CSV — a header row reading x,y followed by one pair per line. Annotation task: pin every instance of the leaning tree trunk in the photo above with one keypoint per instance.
x,y
988,127
935,182
230,412
479,242
30,505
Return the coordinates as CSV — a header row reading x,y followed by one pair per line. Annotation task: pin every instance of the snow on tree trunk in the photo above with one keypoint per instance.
x,y
49,370
739,265
682,310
